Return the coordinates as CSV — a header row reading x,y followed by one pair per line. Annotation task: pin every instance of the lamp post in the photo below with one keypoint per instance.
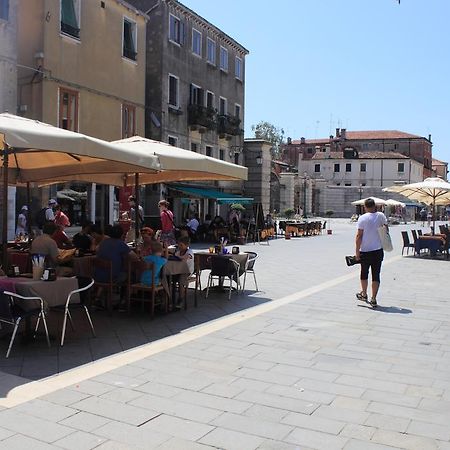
x,y
305,175
360,190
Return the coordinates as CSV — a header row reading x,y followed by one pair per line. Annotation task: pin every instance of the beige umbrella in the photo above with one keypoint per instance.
x,y
378,201
431,191
392,202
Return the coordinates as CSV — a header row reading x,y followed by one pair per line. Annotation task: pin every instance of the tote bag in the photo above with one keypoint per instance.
x,y
385,237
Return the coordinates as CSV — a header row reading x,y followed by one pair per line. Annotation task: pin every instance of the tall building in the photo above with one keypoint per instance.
x,y
415,147
195,84
82,68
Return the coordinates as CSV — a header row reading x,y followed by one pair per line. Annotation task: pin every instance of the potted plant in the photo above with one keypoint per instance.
x,y
329,213
288,213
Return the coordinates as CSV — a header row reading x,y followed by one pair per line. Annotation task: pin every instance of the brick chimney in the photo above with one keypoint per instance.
x,y
302,140
343,133
337,133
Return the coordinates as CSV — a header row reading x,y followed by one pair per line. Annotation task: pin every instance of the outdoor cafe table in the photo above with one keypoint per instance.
x,y
170,269
54,293
432,243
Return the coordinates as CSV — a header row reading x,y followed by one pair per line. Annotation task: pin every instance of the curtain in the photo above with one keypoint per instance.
x,y
68,15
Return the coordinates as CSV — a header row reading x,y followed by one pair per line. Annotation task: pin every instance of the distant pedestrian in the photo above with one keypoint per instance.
x,y
167,226
369,249
423,216
22,222
60,218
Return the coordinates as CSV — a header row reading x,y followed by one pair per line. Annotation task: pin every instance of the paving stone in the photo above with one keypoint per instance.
x,y
266,413
143,438
118,380
113,445
300,393
43,409
85,421
270,444
313,423
33,427
182,444
277,401
176,408
304,372
231,440
182,428
429,430
355,444
161,390
406,441
252,425
20,442
254,385
267,377
355,431
222,390
4,433
331,388
121,395
65,397
80,441
212,401
115,411
91,387
383,386
387,422
349,403
316,439
390,397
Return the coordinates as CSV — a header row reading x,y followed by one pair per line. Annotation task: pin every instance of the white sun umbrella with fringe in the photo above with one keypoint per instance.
x,y
392,202
378,201
431,191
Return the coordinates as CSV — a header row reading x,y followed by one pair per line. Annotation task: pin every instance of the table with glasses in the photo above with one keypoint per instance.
x,y
431,243
54,293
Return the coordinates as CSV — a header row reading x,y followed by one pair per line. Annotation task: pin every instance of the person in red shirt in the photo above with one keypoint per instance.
x,y
167,225
60,218
60,237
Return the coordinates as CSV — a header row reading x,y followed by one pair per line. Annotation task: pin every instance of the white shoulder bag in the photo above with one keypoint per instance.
x,y
385,237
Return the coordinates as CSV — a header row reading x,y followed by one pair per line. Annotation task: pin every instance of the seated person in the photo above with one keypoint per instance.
x,y
97,237
192,226
158,261
83,239
148,237
45,245
60,237
115,250
185,253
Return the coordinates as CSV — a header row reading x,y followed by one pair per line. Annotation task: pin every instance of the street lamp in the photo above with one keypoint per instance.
x,y
360,190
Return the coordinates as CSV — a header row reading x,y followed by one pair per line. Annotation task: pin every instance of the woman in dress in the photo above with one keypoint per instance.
x,y
167,226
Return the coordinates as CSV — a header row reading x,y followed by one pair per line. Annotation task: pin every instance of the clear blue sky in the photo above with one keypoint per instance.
x,y
357,64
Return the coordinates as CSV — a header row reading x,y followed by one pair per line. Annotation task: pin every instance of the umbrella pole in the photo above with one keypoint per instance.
x,y
136,208
29,215
434,216
5,207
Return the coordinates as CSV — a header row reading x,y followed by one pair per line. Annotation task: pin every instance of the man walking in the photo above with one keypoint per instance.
x,y
369,249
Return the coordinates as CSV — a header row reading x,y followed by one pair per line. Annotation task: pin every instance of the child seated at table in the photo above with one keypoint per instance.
x,y
185,253
158,261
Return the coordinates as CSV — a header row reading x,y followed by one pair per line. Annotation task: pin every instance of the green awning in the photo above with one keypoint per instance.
x,y
219,196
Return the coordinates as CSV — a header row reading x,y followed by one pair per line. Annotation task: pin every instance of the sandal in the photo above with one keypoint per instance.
x,y
361,296
373,302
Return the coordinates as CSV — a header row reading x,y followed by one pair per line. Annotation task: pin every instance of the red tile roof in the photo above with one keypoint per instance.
x,y
362,155
364,135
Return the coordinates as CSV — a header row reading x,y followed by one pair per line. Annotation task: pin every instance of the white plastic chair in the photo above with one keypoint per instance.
x,y
14,313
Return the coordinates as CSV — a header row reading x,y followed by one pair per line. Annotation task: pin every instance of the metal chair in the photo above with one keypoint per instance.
x,y
406,243
250,267
12,313
70,305
223,267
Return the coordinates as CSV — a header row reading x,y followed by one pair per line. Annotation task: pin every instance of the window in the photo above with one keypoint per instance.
x,y
365,146
173,141
68,109
211,51
4,9
196,42
208,150
223,59
173,91
194,147
317,168
348,184
395,146
70,17
237,110
400,167
337,167
348,167
129,39
222,106
196,95
128,121
236,158
238,68
363,167
210,103
309,150
176,30
222,154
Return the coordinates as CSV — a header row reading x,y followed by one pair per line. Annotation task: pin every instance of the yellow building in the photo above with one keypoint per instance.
x,y
82,65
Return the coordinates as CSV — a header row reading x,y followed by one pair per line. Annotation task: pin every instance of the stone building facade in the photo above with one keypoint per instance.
x,y
415,147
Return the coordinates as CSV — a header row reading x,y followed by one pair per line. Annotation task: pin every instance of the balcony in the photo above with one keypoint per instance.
x,y
201,118
228,126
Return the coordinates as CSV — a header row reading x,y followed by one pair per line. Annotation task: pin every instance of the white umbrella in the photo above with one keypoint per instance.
x,y
392,202
378,201
431,191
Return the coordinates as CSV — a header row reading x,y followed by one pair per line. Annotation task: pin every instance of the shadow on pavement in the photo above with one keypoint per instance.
x,y
388,309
